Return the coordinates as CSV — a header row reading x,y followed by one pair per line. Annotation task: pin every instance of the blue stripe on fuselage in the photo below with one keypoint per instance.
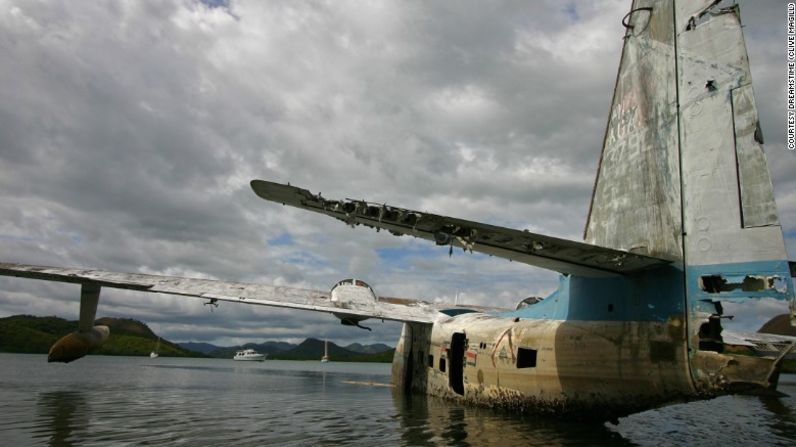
x,y
654,295
782,287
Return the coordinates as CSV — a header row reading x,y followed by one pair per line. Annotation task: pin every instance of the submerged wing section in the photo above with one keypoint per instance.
x,y
547,252
260,294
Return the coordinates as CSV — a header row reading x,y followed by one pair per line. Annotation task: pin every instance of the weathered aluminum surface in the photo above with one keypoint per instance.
x,y
727,188
260,294
757,192
588,369
542,251
726,184
636,199
89,298
729,216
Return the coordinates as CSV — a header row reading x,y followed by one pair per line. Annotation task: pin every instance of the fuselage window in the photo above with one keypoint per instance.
x,y
526,358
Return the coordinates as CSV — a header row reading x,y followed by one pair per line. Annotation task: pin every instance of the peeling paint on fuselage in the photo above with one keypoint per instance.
x,y
602,348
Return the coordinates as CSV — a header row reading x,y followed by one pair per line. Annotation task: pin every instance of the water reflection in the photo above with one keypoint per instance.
x,y
782,420
61,414
427,421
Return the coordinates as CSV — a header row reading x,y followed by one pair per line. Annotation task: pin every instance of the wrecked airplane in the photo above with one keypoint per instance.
x,y
682,219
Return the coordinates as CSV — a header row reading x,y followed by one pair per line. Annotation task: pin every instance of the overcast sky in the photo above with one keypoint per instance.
x,y
129,132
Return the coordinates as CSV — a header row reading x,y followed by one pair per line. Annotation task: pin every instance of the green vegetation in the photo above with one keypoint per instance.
x,y
28,334
35,335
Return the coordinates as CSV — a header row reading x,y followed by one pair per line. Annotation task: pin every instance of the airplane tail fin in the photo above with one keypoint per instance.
x,y
636,203
682,174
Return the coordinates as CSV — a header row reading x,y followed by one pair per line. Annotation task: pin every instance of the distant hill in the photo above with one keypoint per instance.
x,y
313,349
779,325
204,348
35,335
368,349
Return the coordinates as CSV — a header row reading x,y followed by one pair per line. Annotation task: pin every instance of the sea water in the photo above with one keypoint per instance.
x,y
107,401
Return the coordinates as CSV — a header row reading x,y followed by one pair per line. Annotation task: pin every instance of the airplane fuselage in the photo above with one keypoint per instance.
x,y
538,360
591,369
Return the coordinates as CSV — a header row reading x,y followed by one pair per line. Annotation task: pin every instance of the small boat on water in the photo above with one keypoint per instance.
x,y
155,354
249,355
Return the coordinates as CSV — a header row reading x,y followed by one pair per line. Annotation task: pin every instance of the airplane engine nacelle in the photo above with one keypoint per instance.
x,y
352,294
77,344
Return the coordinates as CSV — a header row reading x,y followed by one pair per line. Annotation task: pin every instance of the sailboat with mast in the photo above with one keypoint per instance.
x,y
154,354
325,357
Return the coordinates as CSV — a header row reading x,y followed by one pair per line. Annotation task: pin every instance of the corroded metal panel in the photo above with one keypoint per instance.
x,y
636,199
722,163
591,369
757,193
410,361
734,247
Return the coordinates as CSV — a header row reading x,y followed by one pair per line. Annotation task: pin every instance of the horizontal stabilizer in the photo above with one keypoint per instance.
x,y
213,290
552,253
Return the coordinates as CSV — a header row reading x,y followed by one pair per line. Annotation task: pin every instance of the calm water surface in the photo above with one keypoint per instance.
x,y
140,401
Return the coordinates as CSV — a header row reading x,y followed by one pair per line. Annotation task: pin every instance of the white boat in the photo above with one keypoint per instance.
x,y
325,357
249,355
154,354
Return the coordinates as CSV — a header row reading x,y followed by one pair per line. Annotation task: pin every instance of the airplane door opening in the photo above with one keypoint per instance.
x,y
456,358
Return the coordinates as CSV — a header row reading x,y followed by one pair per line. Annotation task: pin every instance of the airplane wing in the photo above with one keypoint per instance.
x,y
552,253
772,345
278,296
757,339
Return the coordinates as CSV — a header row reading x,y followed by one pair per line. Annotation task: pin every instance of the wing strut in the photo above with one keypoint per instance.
x,y
87,337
